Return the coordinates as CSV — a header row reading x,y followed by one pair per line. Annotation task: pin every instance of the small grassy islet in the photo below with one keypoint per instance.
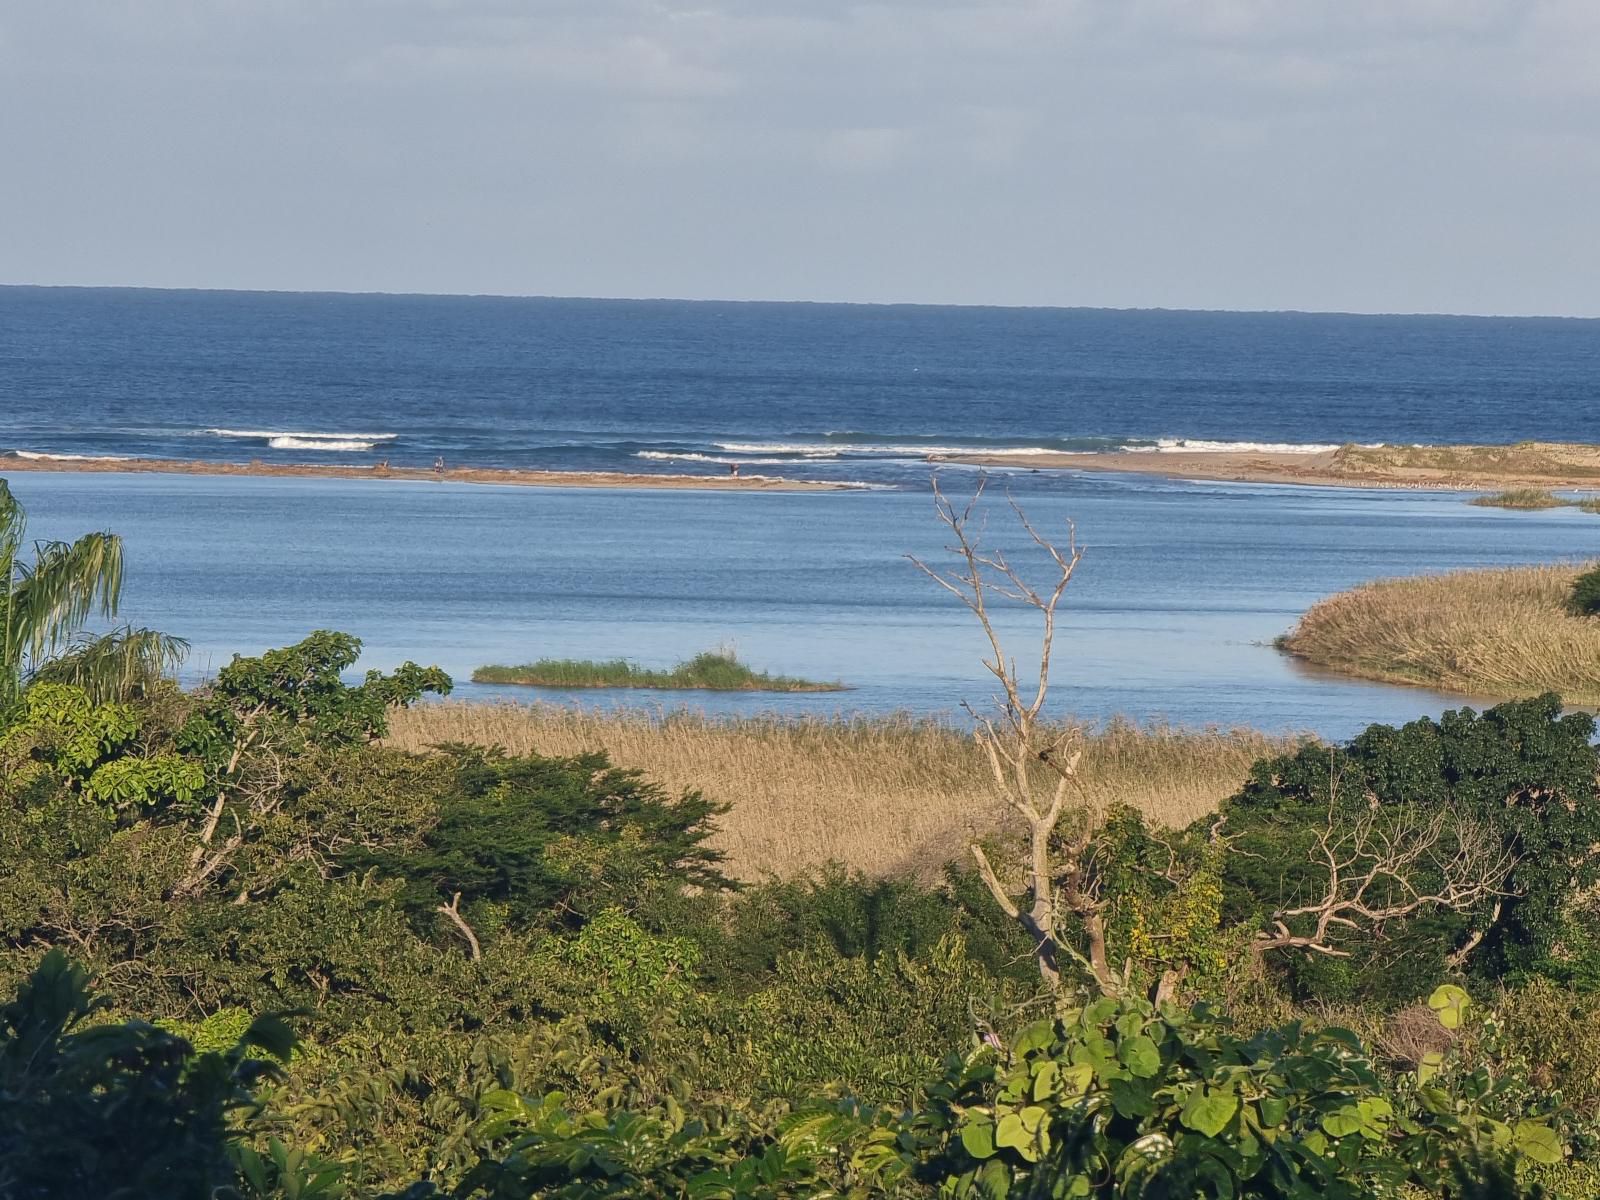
x,y
712,670
1504,632
1533,498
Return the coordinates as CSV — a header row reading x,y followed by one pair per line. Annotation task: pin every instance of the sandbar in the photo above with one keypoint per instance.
x,y
1570,465
500,475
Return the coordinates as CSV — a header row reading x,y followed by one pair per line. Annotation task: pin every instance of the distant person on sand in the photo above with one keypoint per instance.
x,y
734,469
438,466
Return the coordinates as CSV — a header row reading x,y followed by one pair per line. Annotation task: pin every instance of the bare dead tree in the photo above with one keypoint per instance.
x,y
1377,860
1033,770
453,911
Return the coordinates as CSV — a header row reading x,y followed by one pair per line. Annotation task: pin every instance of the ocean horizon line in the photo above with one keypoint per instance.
x,y
767,301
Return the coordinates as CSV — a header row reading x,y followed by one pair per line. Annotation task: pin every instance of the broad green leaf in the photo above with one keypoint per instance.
x,y
1430,1065
1342,1122
1010,1132
1100,1011
1034,1037
1046,1079
1140,1056
1537,1141
1209,1112
993,1180
1449,1004
1132,1098
977,1139
1274,1111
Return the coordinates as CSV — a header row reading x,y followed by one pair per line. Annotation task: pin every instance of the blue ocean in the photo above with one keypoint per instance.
x,y
1182,588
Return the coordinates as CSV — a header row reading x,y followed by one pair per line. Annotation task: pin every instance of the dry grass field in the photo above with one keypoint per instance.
x,y
1498,633
885,795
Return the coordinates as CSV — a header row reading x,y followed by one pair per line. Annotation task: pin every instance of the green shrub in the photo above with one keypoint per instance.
x,y
1522,771
855,917
1585,597
536,843
116,1110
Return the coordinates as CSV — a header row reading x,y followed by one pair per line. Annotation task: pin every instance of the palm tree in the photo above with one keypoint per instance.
x,y
45,603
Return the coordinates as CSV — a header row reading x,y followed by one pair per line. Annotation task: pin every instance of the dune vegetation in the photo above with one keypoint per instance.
x,y
1499,633
885,796
1519,464
711,670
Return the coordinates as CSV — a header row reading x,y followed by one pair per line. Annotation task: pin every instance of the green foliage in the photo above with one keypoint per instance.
x,y
533,842
664,1154
711,670
1522,770
116,1110
1119,1100
1163,899
294,697
610,1016
1585,598
856,917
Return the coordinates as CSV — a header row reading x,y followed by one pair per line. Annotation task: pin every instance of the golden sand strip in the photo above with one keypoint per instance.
x,y
570,479
1457,468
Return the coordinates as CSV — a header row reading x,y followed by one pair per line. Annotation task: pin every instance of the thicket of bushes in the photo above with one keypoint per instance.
x,y
516,976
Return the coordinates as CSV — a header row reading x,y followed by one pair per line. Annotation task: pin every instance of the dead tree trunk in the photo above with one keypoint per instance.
x,y
1028,763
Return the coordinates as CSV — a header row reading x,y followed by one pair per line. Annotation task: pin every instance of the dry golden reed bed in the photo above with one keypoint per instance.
x,y
1500,633
885,795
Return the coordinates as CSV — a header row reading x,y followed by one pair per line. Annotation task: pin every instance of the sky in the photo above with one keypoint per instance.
x,y
1354,155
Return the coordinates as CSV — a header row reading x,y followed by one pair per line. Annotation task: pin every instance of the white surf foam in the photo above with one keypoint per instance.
x,y
1202,446
40,455
290,441
723,460
836,449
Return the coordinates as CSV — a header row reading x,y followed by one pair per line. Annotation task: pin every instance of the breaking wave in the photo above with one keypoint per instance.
x,y
40,455
290,441
1202,446
812,450
727,461
273,436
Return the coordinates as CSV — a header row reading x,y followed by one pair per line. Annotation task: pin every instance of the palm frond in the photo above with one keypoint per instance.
x,y
52,597
121,665
13,523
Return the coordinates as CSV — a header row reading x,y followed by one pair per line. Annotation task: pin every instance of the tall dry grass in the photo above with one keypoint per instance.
x,y
1499,633
887,796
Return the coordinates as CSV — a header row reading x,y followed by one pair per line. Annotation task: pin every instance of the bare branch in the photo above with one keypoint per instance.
x,y
453,911
1387,865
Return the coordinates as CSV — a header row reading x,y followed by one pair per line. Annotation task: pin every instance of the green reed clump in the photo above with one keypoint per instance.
x,y
1521,498
711,670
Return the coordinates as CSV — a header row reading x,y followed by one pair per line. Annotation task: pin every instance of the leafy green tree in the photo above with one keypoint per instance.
x,y
533,842
264,712
1514,786
45,602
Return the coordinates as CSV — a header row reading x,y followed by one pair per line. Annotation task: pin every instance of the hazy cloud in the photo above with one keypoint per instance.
x,y
1370,154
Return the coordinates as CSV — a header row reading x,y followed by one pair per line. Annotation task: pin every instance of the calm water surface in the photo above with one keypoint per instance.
x,y
1181,590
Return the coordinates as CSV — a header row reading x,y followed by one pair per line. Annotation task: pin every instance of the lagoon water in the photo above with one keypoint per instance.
x,y
1183,586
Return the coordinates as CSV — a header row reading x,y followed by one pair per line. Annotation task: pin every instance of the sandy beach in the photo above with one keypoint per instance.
x,y
499,475
1568,465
